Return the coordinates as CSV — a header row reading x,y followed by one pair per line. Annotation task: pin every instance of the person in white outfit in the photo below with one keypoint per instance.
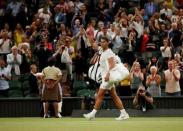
x,y
14,60
112,71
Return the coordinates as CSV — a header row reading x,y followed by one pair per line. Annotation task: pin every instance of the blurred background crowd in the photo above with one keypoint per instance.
x,y
146,34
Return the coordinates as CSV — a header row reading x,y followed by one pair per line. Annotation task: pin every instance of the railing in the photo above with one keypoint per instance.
x,y
31,107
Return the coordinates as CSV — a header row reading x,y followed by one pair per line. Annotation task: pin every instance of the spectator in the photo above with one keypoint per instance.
x,y
143,99
153,82
14,61
117,42
178,61
5,76
101,7
62,4
51,88
166,52
45,17
172,77
42,53
99,31
136,77
154,62
19,34
175,37
150,8
138,25
167,11
6,29
25,65
33,81
82,45
70,49
60,16
14,6
2,12
124,88
5,45
77,5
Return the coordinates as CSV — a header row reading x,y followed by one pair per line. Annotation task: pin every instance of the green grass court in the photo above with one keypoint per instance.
x,y
99,124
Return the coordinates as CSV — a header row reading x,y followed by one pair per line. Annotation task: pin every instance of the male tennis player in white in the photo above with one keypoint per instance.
x,y
112,71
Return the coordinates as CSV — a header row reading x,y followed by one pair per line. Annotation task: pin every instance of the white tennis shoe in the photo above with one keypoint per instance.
x,y
123,116
89,116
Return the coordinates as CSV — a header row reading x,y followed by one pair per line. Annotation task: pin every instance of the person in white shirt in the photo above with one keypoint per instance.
x,y
5,45
166,10
45,16
14,60
172,77
117,41
5,75
112,71
98,32
166,49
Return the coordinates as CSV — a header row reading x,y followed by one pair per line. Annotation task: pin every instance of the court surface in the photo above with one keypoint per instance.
x,y
98,124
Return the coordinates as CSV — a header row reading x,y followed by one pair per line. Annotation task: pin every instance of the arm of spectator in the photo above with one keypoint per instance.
x,y
176,74
148,80
148,98
135,100
10,59
6,77
141,75
18,59
73,21
158,79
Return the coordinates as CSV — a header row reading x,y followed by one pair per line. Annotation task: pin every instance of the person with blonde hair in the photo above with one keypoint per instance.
x,y
14,60
136,77
153,82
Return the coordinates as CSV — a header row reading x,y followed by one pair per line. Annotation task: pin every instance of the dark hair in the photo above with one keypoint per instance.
x,y
105,38
51,61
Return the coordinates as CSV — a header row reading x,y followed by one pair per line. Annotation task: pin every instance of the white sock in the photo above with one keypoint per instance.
x,y
123,111
94,111
60,107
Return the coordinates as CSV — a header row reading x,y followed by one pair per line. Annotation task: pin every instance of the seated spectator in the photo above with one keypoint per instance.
x,y
143,100
153,82
5,75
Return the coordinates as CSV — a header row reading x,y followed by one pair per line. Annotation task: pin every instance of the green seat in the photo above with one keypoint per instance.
x,y
15,85
24,77
25,85
79,85
85,93
15,93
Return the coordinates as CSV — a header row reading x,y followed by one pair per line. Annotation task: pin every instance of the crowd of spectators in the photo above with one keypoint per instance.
x,y
147,37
